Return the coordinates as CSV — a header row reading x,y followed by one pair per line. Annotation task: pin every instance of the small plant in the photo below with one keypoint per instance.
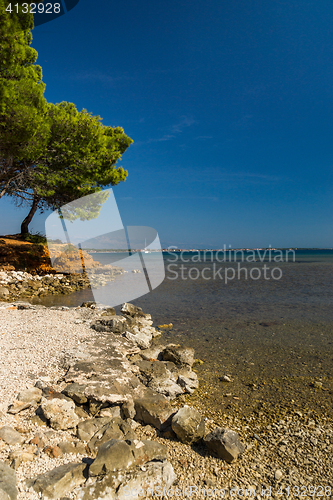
x,y
36,238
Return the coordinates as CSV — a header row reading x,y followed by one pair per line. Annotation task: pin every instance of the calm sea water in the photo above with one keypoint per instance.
x,y
246,322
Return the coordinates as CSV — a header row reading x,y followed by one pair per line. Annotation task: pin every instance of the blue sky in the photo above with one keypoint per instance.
x,y
229,104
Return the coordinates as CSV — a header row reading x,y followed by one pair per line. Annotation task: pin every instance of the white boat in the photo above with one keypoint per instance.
x,y
145,250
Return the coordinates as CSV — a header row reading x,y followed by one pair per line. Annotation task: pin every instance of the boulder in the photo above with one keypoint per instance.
x,y
32,396
167,387
225,443
8,490
128,409
153,353
131,310
76,392
70,447
17,407
116,429
112,456
114,324
153,409
4,292
188,425
119,455
140,339
178,355
61,413
86,429
59,481
10,436
19,456
189,384
121,485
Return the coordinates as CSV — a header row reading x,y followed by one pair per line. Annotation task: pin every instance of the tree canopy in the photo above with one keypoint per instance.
x,y
50,154
23,119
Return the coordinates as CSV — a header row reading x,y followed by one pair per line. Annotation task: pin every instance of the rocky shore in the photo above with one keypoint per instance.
x,y
23,285
96,405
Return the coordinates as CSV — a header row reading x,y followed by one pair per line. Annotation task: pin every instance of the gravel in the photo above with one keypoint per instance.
x,y
290,451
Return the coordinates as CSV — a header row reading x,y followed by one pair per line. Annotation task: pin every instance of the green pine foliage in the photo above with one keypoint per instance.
x,y
50,154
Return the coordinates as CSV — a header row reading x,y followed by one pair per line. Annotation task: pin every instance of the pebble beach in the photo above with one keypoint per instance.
x,y
286,454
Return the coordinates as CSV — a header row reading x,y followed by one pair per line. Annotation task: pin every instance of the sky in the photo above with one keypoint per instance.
x,y
229,104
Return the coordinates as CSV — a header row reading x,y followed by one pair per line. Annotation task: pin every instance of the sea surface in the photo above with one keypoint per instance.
x,y
265,320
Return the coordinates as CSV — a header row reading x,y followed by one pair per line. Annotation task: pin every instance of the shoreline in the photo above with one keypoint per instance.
x,y
282,449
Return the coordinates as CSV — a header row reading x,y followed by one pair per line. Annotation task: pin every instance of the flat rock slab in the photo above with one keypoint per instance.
x,y
59,481
8,489
117,455
119,485
10,436
153,409
102,373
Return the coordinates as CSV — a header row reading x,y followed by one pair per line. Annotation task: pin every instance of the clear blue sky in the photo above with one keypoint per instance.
x,y
229,104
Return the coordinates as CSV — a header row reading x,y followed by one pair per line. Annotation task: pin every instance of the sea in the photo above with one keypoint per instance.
x,y
262,317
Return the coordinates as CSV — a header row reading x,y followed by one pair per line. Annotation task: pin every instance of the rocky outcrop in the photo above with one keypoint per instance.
x,y
111,387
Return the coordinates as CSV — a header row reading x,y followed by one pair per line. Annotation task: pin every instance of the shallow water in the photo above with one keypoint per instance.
x,y
274,337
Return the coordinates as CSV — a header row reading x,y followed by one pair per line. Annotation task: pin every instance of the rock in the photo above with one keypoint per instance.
x,y
116,429
112,456
128,409
146,451
8,490
53,451
225,443
55,483
155,375
19,456
131,310
4,292
189,384
70,447
37,441
153,476
153,353
76,392
111,411
32,396
10,436
39,419
188,425
168,388
178,355
114,324
139,339
86,429
60,413
225,378
117,454
278,474
17,407
153,409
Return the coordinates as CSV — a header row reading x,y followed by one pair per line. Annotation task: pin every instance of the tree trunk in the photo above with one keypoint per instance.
x,y
27,220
